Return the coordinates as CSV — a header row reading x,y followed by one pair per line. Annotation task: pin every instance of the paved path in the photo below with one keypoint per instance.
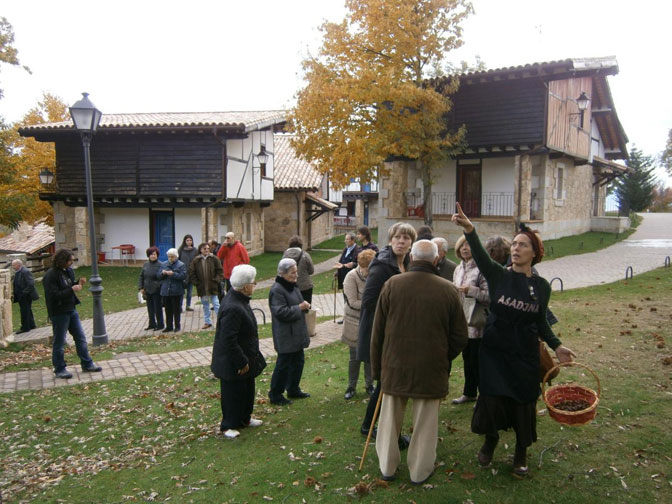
x,y
645,250
141,364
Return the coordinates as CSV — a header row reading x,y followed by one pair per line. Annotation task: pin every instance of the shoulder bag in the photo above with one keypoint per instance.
x,y
476,313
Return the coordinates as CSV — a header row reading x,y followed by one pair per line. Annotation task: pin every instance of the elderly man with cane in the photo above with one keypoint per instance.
x,y
419,328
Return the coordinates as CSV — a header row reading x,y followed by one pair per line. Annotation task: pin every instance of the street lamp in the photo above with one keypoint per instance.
x,y
86,118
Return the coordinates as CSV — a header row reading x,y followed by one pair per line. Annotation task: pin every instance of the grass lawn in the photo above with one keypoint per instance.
x,y
154,438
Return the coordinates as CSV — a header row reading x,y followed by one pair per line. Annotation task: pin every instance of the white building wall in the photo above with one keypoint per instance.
x,y
187,221
497,175
121,226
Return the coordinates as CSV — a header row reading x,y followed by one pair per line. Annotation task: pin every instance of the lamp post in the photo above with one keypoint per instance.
x,y
86,118
46,177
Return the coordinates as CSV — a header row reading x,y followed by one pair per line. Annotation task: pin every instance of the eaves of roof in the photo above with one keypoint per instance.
x,y
241,122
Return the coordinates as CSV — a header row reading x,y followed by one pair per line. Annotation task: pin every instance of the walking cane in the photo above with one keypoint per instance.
x,y
373,423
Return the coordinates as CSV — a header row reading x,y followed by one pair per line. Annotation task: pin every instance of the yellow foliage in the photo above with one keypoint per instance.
x,y
19,191
365,100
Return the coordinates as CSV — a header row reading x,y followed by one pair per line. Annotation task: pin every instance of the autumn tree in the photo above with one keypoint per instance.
x,y
366,99
666,156
634,190
20,183
662,199
8,53
12,200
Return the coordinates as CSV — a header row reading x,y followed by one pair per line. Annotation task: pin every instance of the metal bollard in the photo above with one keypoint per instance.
x,y
562,286
628,269
263,314
667,261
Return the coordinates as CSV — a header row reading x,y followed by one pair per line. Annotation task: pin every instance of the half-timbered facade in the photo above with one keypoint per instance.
x,y
531,155
157,177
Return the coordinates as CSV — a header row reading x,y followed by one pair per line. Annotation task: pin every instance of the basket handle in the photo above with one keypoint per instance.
x,y
572,363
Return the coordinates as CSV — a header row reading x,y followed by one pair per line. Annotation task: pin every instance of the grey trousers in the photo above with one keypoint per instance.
x,y
353,370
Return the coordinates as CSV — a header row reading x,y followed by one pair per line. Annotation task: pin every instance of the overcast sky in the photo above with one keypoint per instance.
x,y
219,55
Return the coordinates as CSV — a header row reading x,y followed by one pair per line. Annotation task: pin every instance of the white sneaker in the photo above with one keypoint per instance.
x,y
231,434
255,422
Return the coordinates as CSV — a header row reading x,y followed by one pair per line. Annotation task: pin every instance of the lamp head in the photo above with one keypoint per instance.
x,y
85,115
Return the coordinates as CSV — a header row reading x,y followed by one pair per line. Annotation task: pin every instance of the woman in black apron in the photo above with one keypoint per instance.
x,y
509,352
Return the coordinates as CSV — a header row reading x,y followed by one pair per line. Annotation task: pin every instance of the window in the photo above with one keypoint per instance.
x,y
248,227
560,181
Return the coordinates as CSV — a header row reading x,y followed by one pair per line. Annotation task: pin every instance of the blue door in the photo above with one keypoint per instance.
x,y
163,232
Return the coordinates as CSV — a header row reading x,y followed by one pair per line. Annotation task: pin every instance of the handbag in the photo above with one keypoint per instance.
x,y
257,364
546,362
34,295
476,313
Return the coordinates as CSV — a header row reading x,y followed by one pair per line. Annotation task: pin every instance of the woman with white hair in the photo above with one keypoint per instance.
x,y
236,359
172,275
290,335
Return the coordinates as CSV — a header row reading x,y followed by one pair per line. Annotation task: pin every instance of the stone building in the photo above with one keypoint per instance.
x,y
542,141
298,207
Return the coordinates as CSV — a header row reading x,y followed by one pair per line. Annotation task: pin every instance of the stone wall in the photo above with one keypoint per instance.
x,y
284,218
5,307
247,222
321,229
71,230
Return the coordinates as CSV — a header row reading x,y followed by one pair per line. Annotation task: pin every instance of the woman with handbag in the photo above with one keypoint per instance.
x,y
509,353
473,290
236,358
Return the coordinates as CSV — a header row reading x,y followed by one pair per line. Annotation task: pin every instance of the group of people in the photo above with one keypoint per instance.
x,y
404,319
413,343
207,266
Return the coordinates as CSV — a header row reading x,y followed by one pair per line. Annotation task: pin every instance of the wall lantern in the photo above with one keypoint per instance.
x,y
46,177
262,156
582,103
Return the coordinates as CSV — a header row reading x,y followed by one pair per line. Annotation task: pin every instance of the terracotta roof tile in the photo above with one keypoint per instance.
x,y
246,121
28,239
292,172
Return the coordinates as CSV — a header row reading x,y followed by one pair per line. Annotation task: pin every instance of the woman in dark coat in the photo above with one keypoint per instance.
x,y
172,275
236,359
290,335
391,260
186,253
509,351
150,286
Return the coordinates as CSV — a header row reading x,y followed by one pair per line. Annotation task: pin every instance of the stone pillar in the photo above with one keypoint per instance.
x,y
81,225
522,187
6,331
209,224
392,203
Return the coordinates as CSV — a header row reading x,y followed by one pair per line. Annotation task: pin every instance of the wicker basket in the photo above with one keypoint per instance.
x,y
571,392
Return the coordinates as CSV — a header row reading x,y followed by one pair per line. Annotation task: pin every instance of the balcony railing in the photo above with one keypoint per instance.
x,y
491,204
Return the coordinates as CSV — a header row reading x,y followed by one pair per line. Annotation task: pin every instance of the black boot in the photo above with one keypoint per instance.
x,y
487,450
